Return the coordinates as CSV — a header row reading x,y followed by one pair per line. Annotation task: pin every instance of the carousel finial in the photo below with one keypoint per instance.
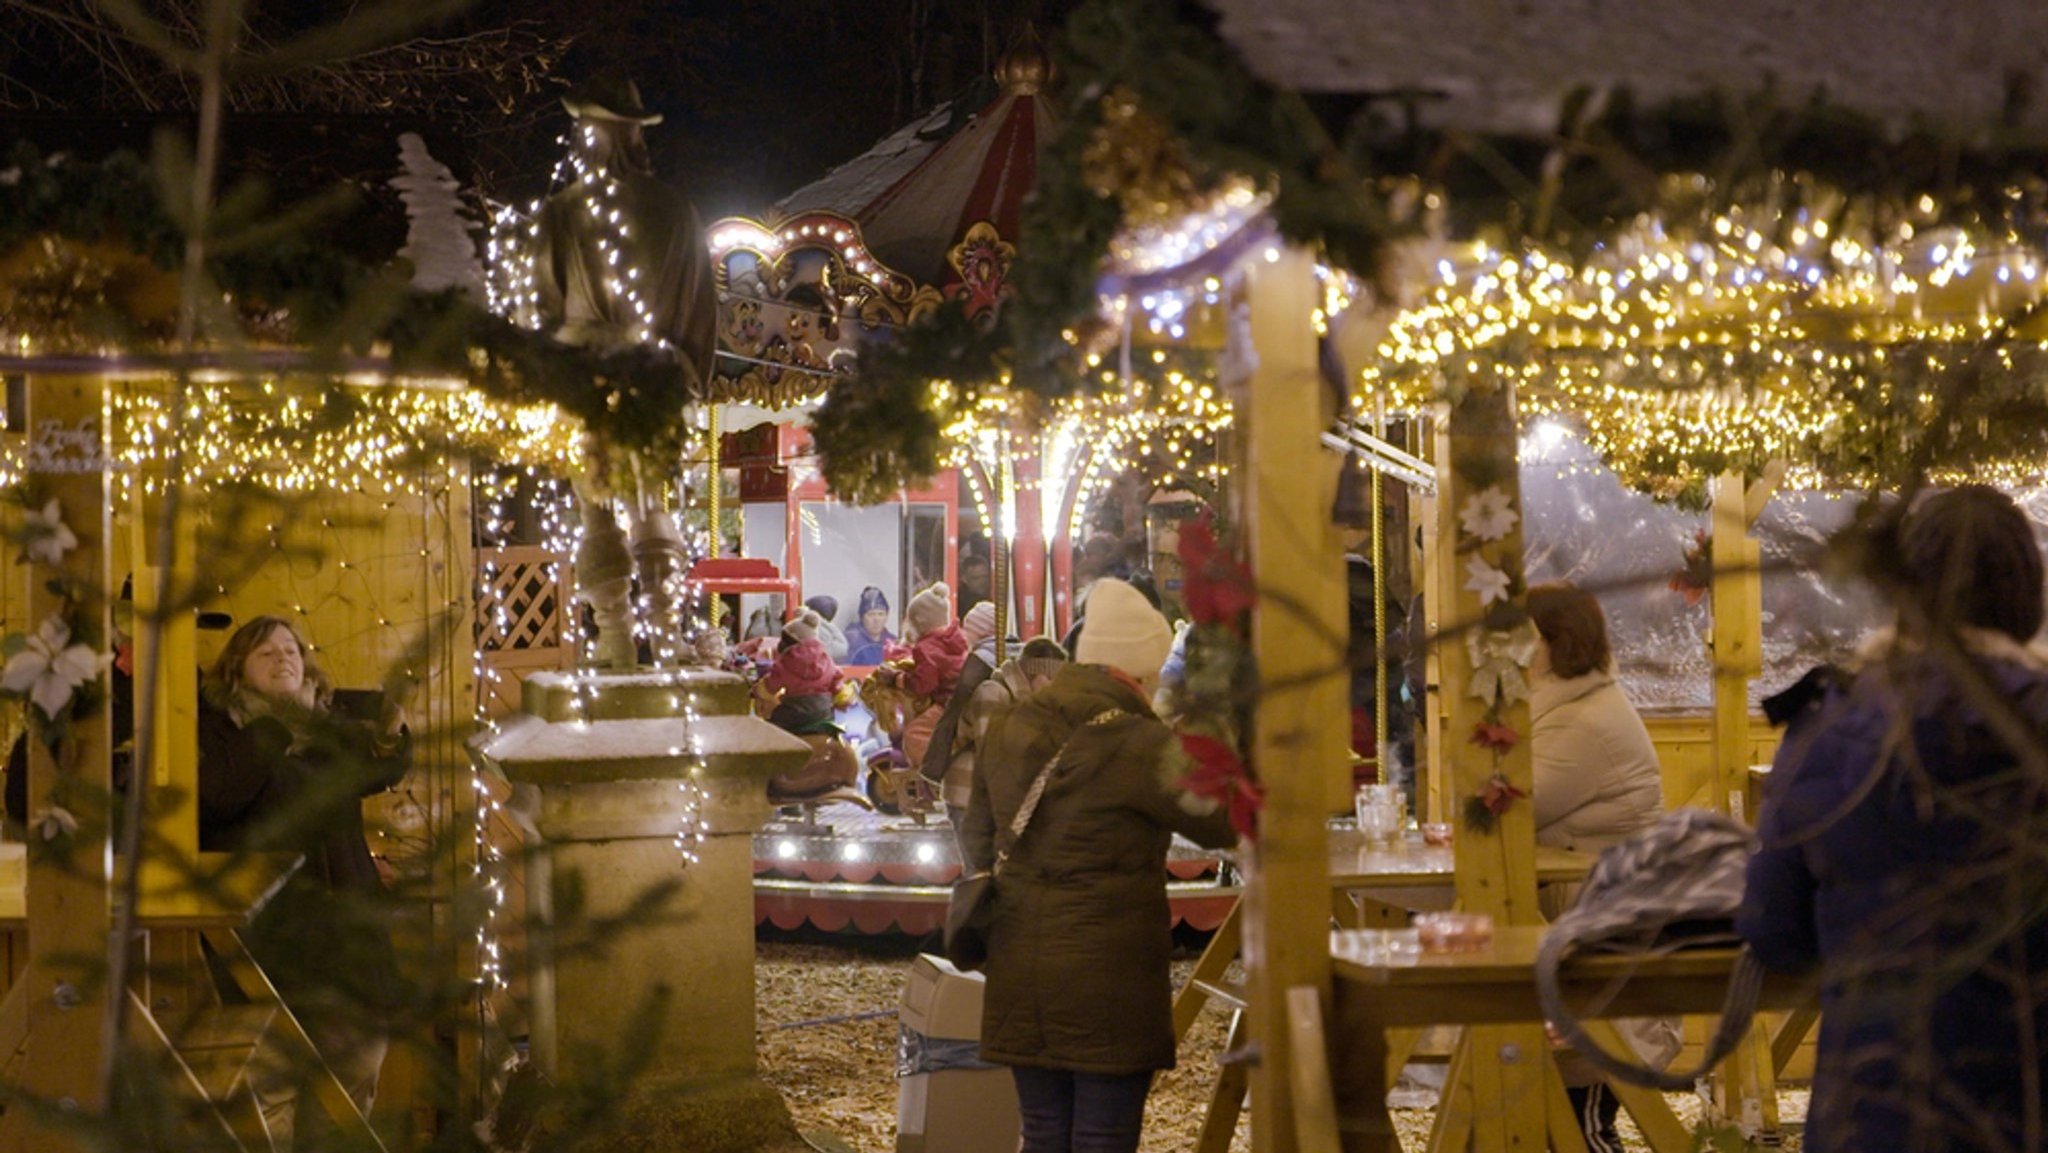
x,y
1024,67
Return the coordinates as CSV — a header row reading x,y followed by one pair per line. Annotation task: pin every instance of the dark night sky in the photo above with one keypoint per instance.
x,y
759,97
763,97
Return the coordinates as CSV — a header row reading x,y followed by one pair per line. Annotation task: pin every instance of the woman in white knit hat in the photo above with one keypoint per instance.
x,y
1079,1000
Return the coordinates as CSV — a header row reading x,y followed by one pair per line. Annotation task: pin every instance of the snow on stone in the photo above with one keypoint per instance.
x,y
1505,65
437,237
529,741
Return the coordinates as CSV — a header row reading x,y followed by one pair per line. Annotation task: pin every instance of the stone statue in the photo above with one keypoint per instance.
x,y
615,202
622,262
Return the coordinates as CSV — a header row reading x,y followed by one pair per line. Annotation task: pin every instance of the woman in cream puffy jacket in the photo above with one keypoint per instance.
x,y
1597,784
1597,781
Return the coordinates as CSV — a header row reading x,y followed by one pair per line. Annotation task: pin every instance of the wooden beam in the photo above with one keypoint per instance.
x,y
1565,1134
68,882
1300,639
173,769
182,1078
1433,773
291,1036
1226,1103
1315,1106
1478,470
1736,598
1496,870
1215,960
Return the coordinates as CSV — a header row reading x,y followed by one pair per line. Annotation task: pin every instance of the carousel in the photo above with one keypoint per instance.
x,y
927,218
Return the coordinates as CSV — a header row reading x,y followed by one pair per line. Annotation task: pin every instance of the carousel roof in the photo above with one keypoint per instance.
x,y
856,183
916,194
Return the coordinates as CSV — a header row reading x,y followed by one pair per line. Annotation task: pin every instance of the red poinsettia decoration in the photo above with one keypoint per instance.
x,y
1696,575
1483,809
1218,585
1220,775
1499,738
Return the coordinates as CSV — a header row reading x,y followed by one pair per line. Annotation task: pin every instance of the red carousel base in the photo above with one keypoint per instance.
x,y
845,869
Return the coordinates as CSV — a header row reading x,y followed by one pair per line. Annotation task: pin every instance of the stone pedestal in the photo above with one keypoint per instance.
x,y
643,966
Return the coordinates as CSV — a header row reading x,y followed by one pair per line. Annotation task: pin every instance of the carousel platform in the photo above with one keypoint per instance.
x,y
846,869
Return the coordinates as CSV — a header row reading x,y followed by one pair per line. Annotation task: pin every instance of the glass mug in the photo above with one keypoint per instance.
x,y
1380,795
1378,822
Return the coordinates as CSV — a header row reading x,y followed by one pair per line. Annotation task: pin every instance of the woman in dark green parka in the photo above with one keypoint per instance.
x,y
1079,999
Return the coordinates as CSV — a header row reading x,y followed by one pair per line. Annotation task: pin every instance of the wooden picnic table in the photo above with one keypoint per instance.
x,y
1403,875
1497,986
1370,883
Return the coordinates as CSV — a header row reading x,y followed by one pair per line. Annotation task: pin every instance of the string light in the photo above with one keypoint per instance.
x,y
1767,334
1154,245
291,437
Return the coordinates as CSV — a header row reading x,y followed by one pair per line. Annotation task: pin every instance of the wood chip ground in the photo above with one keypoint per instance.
x,y
839,1076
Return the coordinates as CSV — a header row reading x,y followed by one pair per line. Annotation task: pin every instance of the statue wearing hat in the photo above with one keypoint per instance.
x,y
622,263
589,297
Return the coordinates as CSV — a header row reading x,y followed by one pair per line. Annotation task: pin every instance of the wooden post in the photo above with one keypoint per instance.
x,y
1736,598
67,876
174,757
1496,871
1746,1091
1298,633
1432,787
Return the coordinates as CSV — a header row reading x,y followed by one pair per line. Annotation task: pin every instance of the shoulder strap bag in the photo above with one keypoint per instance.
x,y
971,908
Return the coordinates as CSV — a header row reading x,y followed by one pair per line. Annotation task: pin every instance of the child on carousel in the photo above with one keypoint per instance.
x,y
799,688
938,648
799,695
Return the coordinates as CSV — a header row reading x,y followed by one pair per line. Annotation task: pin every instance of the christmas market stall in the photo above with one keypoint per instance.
x,y
1721,307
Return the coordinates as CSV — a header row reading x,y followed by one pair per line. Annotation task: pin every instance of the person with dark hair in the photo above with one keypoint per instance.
x,y
1597,783
829,633
279,769
1079,999
976,579
1899,850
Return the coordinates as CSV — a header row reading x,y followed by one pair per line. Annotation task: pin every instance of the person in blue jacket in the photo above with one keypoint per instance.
x,y
1901,854
868,641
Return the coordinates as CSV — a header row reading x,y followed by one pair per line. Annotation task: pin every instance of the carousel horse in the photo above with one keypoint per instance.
x,y
831,774
894,784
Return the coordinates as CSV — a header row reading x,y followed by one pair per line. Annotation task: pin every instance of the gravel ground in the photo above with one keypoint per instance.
x,y
837,1069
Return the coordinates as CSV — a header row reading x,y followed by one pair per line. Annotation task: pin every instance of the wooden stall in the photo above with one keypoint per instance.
x,y
365,547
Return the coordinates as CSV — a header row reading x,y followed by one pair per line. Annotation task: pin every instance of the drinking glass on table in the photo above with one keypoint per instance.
x,y
1378,823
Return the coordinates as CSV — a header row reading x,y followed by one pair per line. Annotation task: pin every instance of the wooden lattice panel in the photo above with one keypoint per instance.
x,y
520,620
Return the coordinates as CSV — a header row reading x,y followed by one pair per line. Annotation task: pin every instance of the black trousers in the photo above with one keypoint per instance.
x,y
1596,1107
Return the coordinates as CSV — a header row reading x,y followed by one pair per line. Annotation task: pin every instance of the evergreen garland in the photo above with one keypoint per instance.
x,y
888,429
1343,172
294,279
